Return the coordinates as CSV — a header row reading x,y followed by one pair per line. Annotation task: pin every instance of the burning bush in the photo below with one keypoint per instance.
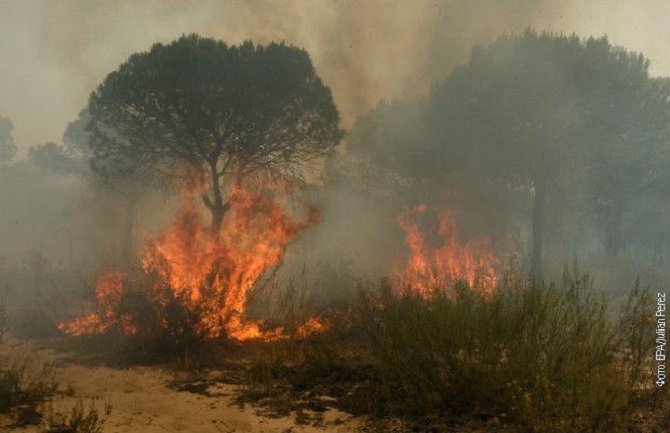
x,y
474,262
196,280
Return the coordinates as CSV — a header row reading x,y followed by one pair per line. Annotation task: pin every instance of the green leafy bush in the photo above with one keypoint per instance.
x,y
77,420
545,357
24,386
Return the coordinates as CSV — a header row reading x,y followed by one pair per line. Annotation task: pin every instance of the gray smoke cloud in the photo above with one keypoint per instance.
x,y
53,54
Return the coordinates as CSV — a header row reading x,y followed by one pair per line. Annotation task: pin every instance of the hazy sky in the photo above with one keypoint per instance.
x,y
54,53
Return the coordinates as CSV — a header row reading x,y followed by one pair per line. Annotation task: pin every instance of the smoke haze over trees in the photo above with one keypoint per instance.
x,y
538,140
424,215
364,51
412,134
7,146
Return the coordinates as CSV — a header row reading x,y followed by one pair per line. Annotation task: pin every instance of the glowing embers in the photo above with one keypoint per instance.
x,y
429,268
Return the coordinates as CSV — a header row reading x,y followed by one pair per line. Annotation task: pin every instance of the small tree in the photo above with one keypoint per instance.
x,y
231,111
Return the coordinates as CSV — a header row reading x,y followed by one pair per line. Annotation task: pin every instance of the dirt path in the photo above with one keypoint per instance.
x,y
141,400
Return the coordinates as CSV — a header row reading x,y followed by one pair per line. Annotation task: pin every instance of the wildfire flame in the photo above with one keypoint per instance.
x,y
430,268
211,271
109,289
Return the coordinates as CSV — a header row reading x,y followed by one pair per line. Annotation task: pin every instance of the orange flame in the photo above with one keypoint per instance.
x,y
430,268
313,325
212,271
108,292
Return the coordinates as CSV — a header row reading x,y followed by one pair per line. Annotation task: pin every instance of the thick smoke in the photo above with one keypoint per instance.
x,y
367,52
53,57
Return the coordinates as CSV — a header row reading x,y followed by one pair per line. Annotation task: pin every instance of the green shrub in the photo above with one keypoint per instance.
x,y
25,383
547,357
77,420
24,386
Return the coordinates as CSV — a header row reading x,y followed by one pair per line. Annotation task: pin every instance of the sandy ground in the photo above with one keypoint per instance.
x,y
141,400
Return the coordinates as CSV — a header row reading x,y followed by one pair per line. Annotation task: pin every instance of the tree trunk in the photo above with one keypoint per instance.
x,y
129,229
70,248
613,233
216,206
538,226
218,212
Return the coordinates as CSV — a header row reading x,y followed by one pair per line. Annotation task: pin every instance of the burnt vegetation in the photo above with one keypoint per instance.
x,y
543,148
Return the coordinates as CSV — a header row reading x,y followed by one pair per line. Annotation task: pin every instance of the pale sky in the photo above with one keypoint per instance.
x,y
54,53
